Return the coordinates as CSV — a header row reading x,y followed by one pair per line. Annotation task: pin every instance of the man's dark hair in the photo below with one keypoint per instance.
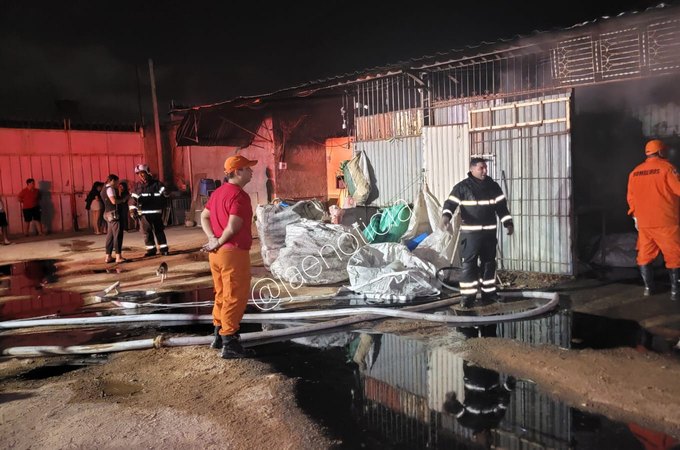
x,y
474,161
30,180
112,177
230,175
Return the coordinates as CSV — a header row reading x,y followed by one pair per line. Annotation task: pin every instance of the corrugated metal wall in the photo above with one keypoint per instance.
x,y
401,363
406,372
659,120
533,166
64,166
397,168
545,422
444,375
552,330
446,157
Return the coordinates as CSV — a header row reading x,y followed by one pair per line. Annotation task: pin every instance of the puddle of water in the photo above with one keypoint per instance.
x,y
26,292
113,269
60,366
145,302
388,391
76,245
119,388
41,373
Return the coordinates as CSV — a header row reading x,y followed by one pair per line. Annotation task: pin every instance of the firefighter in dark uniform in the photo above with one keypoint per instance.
x,y
147,204
481,200
485,402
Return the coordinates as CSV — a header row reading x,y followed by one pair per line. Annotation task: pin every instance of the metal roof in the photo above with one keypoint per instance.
x,y
468,52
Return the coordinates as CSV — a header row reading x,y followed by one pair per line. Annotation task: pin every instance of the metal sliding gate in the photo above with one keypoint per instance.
x,y
528,145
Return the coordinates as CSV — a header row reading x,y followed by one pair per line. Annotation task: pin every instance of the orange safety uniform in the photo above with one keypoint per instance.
x,y
654,200
230,264
230,269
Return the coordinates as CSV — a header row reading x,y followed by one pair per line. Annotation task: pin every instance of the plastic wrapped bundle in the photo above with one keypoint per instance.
x,y
389,273
315,253
272,221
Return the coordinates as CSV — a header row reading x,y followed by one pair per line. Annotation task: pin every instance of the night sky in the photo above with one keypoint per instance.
x,y
207,51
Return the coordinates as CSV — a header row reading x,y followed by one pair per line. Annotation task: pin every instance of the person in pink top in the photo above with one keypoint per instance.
x,y
29,197
226,221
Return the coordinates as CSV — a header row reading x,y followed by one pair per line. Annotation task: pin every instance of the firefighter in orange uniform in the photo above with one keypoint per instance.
x,y
654,201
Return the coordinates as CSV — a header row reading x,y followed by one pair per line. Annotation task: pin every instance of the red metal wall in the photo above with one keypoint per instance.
x,y
64,165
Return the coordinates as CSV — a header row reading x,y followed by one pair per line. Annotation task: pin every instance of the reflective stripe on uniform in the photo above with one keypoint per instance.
x,y
163,246
499,198
133,207
465,284
150,247
477,227
477,387
478,202
446,211
468,291
151,211
134,195
506,218
454,198
489,289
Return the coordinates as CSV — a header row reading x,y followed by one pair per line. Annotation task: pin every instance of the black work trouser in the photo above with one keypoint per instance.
x,y
152,224
478,254
114,237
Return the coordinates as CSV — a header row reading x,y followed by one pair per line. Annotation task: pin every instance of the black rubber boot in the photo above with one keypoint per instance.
x,y
217,342
492,297
165,251
647,273
232,349
150,253
468,301
675,286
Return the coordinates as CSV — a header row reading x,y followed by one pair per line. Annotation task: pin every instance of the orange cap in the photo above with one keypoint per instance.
x,y
237,162
654,146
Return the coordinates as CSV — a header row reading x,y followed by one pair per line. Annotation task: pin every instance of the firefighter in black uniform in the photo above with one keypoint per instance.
x,y
485,402
480,200
147,203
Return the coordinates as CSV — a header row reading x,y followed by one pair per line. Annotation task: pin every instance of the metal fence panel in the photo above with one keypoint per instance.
x,y
446,157
533,166
396,168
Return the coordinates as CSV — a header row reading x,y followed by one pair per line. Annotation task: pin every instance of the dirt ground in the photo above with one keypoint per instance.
x,y
190,398
177,398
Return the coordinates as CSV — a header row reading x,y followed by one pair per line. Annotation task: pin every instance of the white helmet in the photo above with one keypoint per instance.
x,y
141,168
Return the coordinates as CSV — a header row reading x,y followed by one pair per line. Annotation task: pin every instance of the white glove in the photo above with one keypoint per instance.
x,y
212,245
445,223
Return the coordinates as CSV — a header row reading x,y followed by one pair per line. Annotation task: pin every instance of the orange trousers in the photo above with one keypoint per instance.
x,y
664,239
231,275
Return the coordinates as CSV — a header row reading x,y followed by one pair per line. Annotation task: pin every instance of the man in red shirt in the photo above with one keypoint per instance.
x,y
226,221
29,197
654,200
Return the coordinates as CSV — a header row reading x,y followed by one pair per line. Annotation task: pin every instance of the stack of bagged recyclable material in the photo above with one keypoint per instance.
x,y
315,253
272,221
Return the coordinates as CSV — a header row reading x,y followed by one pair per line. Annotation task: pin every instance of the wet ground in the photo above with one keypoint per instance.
x,y
402,393
370,389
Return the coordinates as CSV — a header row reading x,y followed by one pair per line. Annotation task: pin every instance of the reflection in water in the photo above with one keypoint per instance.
x,y
419,396
484,400
26,294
